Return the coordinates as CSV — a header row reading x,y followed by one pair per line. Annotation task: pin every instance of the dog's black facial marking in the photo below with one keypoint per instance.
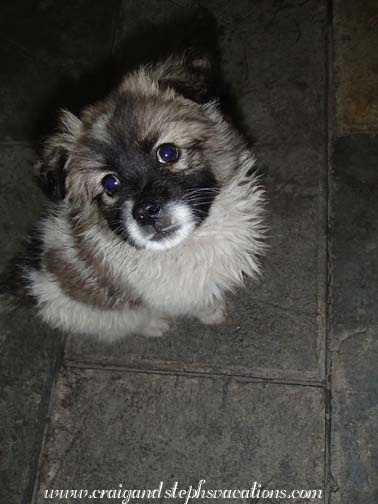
x,y
125,159
147,144
199,191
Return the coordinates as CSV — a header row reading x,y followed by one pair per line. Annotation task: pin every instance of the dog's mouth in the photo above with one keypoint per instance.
x,y
174,224
166,232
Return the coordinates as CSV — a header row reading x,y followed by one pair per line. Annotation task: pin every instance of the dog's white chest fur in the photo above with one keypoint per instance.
x,y
225,247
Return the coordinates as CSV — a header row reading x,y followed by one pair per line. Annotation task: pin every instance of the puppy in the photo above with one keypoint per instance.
x,y
162,213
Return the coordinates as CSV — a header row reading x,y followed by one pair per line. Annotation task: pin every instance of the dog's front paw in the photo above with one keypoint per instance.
x,y
155,328
213,315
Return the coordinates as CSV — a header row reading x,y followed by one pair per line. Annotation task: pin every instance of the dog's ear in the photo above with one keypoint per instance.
x,y
50,170
190,75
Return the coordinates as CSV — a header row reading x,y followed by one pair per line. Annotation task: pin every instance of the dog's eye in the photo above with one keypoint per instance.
x,y
111,184
168,153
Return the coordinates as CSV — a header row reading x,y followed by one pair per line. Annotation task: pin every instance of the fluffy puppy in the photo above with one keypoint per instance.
x,y
162,212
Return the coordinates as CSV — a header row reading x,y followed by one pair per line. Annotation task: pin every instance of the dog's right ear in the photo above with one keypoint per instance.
x,y
50,170
191,75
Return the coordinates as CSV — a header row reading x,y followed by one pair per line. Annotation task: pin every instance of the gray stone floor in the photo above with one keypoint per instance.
x,y
285,394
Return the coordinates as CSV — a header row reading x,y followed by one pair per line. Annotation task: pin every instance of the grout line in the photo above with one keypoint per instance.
x,y
55,374
331,133
194,373
323,209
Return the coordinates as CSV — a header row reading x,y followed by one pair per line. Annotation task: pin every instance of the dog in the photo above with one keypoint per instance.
x,y
161,212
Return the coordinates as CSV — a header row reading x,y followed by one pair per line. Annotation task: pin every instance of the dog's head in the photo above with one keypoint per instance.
x,y
151,157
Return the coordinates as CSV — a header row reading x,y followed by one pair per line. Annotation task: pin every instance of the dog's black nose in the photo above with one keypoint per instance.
x,y
147,212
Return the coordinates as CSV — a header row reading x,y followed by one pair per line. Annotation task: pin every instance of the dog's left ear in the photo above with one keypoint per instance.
x,y
50,170
190,75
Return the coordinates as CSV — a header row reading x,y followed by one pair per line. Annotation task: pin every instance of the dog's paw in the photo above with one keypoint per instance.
x,y
155,328
214,315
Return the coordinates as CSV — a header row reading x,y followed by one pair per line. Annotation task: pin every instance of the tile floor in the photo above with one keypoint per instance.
x,y
285,394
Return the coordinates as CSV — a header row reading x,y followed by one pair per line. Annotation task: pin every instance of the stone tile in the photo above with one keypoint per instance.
x,y
29,353
21,202
110,428
355,231
52,56
354,417
277,325
356,65
273,54
28,350
354,341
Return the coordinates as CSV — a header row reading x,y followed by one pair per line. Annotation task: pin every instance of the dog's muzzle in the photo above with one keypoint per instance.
x,y
158,226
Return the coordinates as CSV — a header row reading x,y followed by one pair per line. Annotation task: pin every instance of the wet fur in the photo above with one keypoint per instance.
x,y
91,277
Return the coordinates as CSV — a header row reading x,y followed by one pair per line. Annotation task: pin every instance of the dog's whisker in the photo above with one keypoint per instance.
x,y
199,202
198,198
202,190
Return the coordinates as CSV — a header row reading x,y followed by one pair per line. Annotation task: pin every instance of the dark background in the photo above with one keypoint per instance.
x,y
286,394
